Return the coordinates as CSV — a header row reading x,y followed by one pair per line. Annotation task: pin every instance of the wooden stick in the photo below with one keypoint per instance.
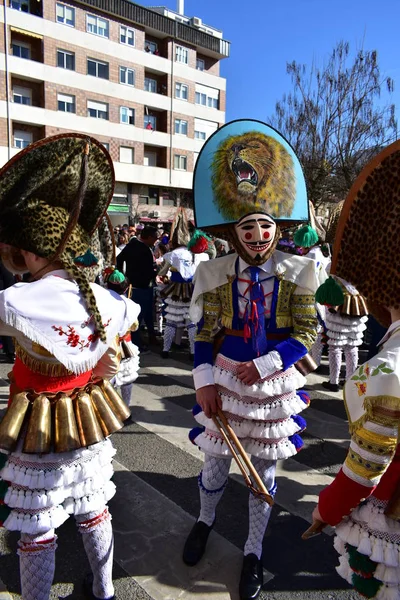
x,y
314,529
238,453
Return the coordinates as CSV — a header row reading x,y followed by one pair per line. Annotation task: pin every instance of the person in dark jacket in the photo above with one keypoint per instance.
x,y
140,269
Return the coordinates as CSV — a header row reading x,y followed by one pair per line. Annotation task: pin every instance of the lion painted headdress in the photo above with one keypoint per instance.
x,y
247,166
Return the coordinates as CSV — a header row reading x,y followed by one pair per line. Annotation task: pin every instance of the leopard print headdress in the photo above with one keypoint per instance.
x,y
53,195
367,244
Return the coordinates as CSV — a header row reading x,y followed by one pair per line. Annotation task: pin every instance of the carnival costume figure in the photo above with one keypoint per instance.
x,y
363,501
54,435
256,318
178,293
306,238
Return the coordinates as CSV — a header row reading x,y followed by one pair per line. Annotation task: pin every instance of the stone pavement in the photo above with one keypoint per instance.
x,y
157,502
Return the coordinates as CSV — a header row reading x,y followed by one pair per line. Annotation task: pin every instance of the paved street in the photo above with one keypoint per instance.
x,y
157,501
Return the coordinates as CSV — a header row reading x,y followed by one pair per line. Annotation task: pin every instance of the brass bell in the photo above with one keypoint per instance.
x,y
115,400
88,425
38,435
106,416
12,421
66,434
306,365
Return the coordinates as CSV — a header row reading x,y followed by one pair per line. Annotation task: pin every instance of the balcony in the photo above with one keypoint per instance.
x,y
156,46
155,83
124,9
155,120
26,92
154,156
24,134
33,7
27,45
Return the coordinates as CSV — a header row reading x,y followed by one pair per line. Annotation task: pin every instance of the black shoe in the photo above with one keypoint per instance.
x,y
332,387
164,354
88,588
195,544
342,382
251,578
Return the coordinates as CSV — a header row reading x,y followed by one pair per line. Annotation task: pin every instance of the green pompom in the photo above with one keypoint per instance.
x,y
86,260
116,277
360,562
306,237
367,587
330,293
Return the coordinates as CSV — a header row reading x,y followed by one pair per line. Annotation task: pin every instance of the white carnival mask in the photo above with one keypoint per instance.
x,y
256,234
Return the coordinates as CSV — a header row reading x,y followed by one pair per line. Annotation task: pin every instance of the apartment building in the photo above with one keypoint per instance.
x,y
145,82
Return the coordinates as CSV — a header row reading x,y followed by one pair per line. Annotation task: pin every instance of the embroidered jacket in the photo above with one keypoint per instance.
x,y
372,465
290,328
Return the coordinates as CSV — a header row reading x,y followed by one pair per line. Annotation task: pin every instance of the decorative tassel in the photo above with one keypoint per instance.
x,y
364,546
343,530
344,569
388,592
377,551
361,563
302,423
339,545
196,409
366,587
86,260
305,237
193,433
354,536
391,556
330,293
296,441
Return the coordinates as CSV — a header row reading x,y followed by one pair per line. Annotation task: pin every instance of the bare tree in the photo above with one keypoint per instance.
x,y
334,120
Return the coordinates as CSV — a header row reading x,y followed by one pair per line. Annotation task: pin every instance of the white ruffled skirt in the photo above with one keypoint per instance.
x,y
177,312
46,489
345,331
376,537
264,416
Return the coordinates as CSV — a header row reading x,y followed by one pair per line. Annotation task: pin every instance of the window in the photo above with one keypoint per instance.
x,y
181,91
66,103
97,26
180,162
65,14
106,146
150,122
149,159
203,129
150,85
200,64
207,96
22,95
97,110
126,154
200,135
22,139
126,36
126,76
66,60
21,49
97,68
181,55
181,127
22,5
127,115
151,47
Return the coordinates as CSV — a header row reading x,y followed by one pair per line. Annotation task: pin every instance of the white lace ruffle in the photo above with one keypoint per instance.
x,y
271,410
212,444
278,384
345,342
349,322
273,430
45,489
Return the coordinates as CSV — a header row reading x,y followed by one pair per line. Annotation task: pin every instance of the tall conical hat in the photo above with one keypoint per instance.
x,y
367,245
247,166
180,235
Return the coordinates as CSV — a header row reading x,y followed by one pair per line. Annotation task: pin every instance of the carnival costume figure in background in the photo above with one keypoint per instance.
x,y
306,238
363,501
62,407
256,318
178,293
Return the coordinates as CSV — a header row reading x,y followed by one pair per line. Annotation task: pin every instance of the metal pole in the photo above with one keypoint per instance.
x,y
9,135
171,121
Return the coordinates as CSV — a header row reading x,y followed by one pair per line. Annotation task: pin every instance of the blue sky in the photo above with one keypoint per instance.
x,y
266,34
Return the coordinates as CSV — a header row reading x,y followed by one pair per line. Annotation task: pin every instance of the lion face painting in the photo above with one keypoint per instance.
x,y
253,172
